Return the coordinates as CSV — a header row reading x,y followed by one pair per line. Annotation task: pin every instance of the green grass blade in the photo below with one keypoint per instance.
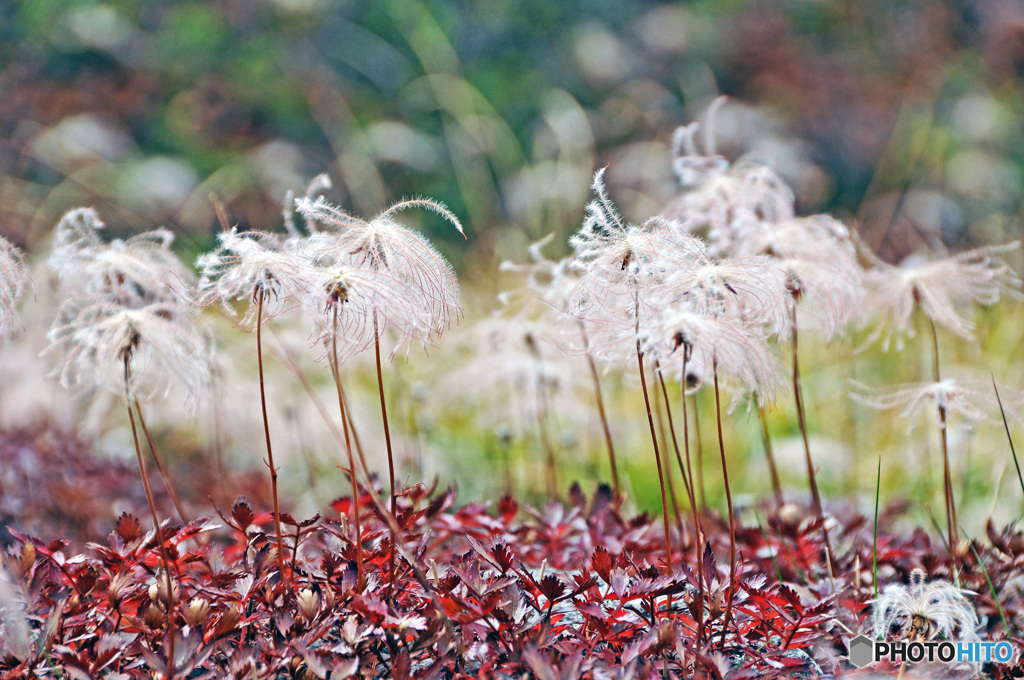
x,y
874,546
1006,425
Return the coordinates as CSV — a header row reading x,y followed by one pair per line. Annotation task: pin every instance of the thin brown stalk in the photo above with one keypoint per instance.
x,y
732,516
675,440
289,357
378,503
802,419
658,400
801,416
355,434
951,521
360,582
700,453
657,458
156,521
602,413
698,540
160,465
770,455
391,457
266,432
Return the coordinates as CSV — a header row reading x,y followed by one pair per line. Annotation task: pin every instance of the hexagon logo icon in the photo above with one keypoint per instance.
x,y
862,651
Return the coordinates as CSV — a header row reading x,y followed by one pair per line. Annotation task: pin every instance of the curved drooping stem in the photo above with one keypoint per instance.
x,y
698,542
732,516
360,581
700,453
260,293
798,395
387,443
156,519
601,412
951,521
654,438
160,465
657,458
659,397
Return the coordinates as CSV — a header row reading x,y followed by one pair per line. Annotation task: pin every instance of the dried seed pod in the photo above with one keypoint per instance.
x,y
197,612
308,603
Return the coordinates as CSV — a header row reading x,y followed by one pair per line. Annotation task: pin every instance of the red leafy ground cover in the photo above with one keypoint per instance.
x,y
574,590
578,589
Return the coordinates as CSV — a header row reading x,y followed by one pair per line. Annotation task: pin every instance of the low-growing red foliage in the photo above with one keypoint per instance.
x,y
576,590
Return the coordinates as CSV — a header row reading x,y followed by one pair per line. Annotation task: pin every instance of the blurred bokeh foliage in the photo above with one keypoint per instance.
x,y
902,117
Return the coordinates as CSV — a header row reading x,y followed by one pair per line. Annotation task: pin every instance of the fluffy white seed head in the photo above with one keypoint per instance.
x,y
729,206
959,399
352,306
738,351
925,611
384,245
247,263
123,300
945,290
13,278
819,265
137,271
93,338
616,258
750,290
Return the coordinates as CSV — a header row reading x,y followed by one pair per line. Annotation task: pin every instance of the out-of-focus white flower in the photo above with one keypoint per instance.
x,y
13,276
820,266
957,398
138,271
94,338
945,291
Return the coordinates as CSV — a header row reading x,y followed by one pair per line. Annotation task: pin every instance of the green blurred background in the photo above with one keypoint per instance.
x,y
904,117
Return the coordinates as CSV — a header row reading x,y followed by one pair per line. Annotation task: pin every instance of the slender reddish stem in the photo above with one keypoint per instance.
x,y
700,453
798,395
679,457
951,521
657,458
266,432
675,440
732,516
654,439
160,465
659,397
698,541
156,519
355,434
360,582
769,453
387,442
602,413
